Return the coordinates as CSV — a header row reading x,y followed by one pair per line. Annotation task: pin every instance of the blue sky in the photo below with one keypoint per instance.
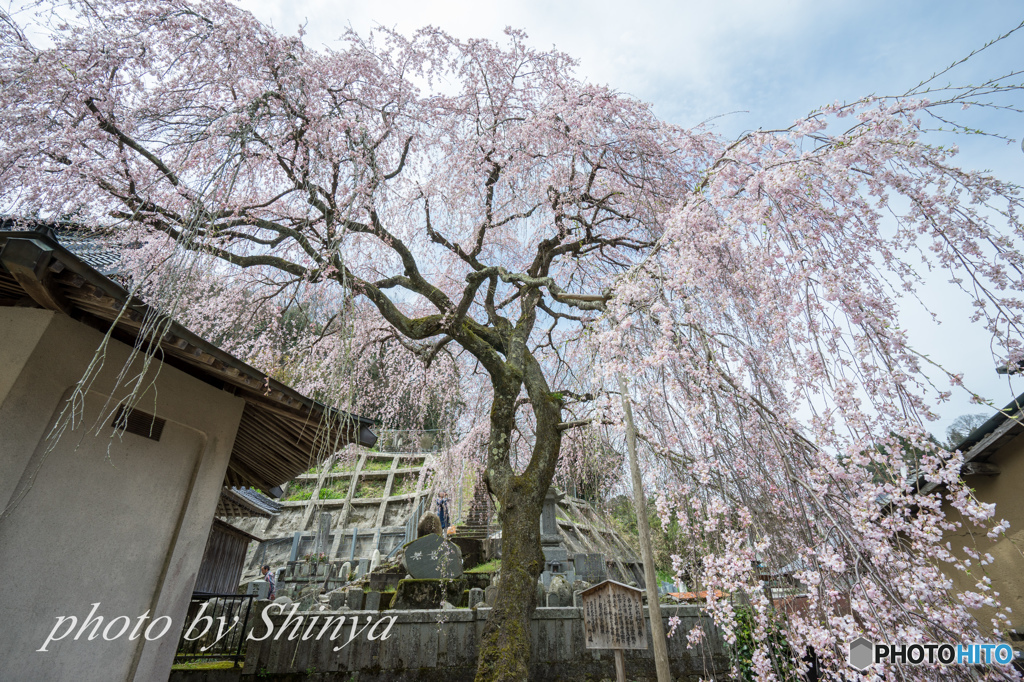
x,y
751,64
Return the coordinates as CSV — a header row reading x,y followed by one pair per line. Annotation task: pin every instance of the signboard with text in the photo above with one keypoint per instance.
x,y
613,617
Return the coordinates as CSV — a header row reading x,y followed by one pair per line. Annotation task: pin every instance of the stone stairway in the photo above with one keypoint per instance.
x,y
481,509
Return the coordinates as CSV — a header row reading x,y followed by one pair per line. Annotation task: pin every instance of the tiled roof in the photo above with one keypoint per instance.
x,y
258,499
92,248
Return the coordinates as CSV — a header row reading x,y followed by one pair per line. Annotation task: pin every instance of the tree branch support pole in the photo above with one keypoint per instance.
x,y
644,530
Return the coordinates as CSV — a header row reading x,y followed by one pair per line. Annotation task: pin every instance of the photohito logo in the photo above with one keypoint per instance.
x,y
864,652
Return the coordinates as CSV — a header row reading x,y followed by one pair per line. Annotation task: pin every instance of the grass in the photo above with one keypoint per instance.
x,y
377,465
299,492
403,485
334,493
370,489
204,665
492,566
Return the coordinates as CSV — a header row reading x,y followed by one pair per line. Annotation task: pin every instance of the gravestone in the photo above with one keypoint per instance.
x,y
577,599
374,560
261,588
561,587
383,582
362,568
306,603
296,539
591,567
337,599
432,557
549,534
346,569
556,559
323,534
372,601
491,594
354,598
476,595
553,599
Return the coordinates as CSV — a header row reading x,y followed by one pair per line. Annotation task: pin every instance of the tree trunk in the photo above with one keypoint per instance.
x,y
505,646
504,654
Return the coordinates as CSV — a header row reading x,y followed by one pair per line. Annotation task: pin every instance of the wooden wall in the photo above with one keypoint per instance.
x,y
221,569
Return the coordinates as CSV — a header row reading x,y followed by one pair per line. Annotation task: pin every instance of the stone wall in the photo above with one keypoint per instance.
x,y
442,645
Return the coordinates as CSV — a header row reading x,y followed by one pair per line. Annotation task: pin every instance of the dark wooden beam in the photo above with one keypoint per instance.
x,y
979,469
29,262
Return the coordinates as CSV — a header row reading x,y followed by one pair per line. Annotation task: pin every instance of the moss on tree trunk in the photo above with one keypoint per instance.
x,y
505,646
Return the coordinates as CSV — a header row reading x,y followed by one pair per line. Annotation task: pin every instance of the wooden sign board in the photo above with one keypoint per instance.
x,y
613,617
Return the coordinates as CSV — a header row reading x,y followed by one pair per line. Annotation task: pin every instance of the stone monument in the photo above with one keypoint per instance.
x,y
433,558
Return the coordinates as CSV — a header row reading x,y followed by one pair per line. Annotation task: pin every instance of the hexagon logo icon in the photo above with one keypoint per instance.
x,y
861,650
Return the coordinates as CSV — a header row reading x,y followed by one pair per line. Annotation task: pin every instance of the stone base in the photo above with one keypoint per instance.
x,y
480,580
427,594
472,551
385,582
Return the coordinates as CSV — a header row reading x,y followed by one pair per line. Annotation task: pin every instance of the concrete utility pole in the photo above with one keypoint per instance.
x,y
644,530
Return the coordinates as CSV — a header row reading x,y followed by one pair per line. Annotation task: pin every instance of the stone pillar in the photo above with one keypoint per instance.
x,y
354,598
549,534
323,534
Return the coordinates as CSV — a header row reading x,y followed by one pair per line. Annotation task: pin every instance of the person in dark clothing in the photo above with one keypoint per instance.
x,y
442,511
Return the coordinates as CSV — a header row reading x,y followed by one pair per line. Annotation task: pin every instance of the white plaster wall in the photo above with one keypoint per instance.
x,y
20,330
121,522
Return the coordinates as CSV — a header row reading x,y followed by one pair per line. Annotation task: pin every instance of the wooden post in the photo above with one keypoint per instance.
x,y
650,576
620,666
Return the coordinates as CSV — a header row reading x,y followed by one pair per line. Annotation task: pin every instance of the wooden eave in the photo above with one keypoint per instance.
x,y
281,431
232,530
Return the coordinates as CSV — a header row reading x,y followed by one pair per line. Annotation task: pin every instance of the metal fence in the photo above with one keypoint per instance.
x,y
198,639
414,520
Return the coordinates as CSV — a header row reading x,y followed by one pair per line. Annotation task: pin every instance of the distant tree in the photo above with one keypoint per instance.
x,y
667,539
962,427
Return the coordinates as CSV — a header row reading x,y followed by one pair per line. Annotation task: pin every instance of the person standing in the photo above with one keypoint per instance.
x,y
442,511
271,582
